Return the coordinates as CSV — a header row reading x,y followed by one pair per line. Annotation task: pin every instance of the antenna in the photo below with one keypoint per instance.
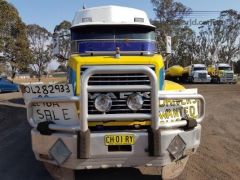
x,y
84,6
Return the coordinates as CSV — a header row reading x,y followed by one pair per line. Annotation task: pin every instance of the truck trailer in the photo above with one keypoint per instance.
x,y
116,109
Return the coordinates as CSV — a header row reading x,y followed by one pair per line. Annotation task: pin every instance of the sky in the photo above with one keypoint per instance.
x,y
49,13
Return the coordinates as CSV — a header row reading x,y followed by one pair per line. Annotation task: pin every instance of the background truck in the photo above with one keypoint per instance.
x,y
222,73
196,73
116,109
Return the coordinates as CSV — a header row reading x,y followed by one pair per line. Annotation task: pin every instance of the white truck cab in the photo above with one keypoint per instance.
x,y
196,73
222,73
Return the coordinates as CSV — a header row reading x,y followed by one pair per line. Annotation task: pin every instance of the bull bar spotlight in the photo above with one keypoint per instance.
x,y
103,103
135,102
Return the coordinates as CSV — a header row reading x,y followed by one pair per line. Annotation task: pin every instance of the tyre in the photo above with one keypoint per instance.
x,y
174,169
60,173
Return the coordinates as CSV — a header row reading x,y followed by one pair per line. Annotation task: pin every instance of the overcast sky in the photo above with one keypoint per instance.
x,y
49,13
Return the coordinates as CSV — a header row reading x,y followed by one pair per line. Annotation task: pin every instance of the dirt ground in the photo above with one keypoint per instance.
x,y
217,158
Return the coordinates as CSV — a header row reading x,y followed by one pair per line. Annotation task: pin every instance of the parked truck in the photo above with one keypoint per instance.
x,y
116,109
222,73
196,73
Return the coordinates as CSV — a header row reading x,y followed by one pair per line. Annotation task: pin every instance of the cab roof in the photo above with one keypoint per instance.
x,y
199,65
223,65
111,15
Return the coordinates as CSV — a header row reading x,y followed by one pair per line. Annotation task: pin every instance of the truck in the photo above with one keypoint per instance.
x,y
196,73
116,110
222,73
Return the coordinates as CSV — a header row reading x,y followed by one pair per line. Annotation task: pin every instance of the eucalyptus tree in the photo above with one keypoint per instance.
x,y
63,32
169,20
41,48
14,45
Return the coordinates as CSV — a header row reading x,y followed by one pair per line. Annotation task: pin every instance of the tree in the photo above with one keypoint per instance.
x,y
220,38
185,48
14,44
63,30
169,20
40,45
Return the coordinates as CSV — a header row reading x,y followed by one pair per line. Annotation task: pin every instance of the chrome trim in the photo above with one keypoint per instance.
x,y
117,88
123,117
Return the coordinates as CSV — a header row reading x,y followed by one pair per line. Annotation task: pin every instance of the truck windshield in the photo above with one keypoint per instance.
x,y
225,68
113,32
105,39
199,69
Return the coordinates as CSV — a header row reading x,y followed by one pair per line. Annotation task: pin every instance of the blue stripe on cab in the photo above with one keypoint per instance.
x,y
111,46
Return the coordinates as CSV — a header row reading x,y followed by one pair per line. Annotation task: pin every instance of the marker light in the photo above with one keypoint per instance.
x,y
135,102
103,103
139,20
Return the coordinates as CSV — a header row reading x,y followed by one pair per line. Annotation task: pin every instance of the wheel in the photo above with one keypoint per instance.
x,y
190,79
174,169
59,173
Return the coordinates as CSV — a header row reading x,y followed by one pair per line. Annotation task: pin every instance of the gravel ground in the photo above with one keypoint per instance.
x,y
217,158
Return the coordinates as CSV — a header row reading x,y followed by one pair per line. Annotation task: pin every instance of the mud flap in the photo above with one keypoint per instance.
x,y
59,173
174,169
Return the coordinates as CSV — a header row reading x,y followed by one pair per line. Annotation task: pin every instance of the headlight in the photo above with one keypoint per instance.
x,y
135,102
103,103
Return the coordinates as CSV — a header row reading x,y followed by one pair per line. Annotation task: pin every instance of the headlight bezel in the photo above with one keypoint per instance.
x,y
131,102
103,107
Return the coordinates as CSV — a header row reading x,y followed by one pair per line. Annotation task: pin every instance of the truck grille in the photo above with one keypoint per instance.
x,y
117,79
119,103
202,75
228,76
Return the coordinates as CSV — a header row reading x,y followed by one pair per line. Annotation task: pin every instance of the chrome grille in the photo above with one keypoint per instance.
x,y
119,105
228,76
202,75
117,79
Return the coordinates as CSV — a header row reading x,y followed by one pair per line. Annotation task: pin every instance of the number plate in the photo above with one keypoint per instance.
x,y
120,139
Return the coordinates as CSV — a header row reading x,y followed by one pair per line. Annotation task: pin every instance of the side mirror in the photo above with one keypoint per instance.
x,y
168,44
56,48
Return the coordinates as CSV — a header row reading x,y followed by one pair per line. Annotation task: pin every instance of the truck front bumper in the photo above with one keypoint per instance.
x,y
198,80
226,80
100,157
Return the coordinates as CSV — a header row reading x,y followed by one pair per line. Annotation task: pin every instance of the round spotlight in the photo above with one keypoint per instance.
x,y
135,102
103,103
